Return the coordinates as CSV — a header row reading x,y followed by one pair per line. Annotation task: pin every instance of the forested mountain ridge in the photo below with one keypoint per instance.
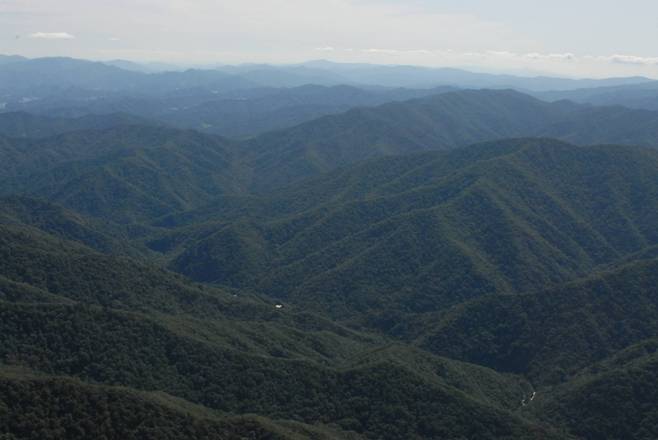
x,y
553,334
305,226
446,121
611,399
127,173
441,122
84,411
53,219
512,215
376,274
26,125
156,331
234,114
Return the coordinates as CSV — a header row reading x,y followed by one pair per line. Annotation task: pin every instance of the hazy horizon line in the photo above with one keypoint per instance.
x,y
214,65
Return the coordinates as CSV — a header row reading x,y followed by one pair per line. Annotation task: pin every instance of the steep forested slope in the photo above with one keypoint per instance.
x,y
361,284
155,171
437,123
53,408
380,400
70,225
67,310
419,233
552,334
611,400
441,122
125,174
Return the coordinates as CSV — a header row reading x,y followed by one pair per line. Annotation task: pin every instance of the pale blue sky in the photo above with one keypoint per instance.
x,y
576,38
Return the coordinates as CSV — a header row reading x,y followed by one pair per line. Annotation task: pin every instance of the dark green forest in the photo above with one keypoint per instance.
x,y
471,264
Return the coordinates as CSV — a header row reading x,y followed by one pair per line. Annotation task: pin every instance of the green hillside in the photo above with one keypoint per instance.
x,y
54,408
440,122
107,320
133,174
63,223
421,233
126,174
374,274
446,121
610,400
550,335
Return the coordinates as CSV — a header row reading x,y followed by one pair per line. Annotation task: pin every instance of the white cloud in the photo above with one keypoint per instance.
x,y
382,51
52,36
635,60
551,56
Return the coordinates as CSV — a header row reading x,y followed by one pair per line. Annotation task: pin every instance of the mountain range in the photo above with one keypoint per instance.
x,y
351,262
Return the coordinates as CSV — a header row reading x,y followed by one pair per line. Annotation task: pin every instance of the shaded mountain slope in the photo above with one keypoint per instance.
x,y
125,174
417,233
118,322
364,284
553,334
135,174
25,125
611,400
442,122
40,268
227,381
69,225
43,408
